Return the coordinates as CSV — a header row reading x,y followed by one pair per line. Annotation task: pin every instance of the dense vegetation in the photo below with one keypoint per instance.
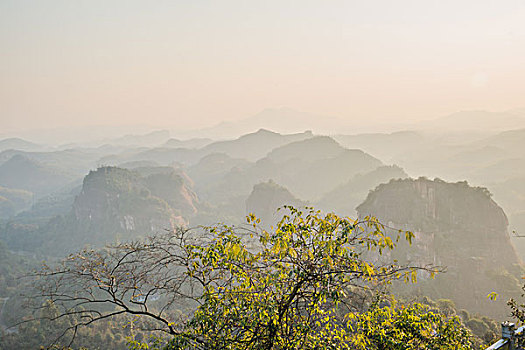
x,y
52,205
310,283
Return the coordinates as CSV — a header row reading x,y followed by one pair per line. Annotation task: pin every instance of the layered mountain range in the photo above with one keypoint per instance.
x,y
53,202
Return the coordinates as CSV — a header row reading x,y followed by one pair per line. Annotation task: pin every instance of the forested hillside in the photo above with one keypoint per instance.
x,y
147,191
262,175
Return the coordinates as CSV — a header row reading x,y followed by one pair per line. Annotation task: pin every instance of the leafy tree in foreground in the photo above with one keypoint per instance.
x,y
518,312
409,327
224,287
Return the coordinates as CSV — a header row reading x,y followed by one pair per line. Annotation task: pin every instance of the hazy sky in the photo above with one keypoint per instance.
x,y
194,63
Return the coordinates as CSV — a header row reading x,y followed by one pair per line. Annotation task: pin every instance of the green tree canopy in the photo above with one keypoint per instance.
x,y
302,285
410,327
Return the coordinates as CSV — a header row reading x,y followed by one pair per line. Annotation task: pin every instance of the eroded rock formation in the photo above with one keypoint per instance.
x,y
456,226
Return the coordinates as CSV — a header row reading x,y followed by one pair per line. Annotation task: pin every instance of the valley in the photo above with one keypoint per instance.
x,y
57,202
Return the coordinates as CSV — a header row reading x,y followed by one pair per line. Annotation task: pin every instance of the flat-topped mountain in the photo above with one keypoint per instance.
x,y
113,204
456,226
122,199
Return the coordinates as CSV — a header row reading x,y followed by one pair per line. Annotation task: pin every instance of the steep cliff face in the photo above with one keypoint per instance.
x,y
118,199
456,226
113,204
175,190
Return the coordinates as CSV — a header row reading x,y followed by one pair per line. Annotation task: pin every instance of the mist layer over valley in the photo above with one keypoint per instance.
x,y
460,192
233,175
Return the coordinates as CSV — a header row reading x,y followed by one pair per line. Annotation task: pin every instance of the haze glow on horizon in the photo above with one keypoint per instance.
x,y
197,63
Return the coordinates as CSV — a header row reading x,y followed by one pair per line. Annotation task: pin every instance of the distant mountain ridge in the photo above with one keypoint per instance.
x,y
477,120
28,174
311,149
154,138
307,168
251,146
18,144
190,143
281,120
346,197
254,146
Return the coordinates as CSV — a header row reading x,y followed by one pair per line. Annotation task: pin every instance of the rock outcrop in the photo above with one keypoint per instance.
x,y
115,199
456,226
114,204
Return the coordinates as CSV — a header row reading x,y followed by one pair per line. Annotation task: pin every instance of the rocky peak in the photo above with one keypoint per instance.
x,y
458,227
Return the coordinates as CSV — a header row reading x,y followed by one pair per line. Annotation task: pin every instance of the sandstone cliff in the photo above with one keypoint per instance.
x,y
458,227
114,204
118,200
